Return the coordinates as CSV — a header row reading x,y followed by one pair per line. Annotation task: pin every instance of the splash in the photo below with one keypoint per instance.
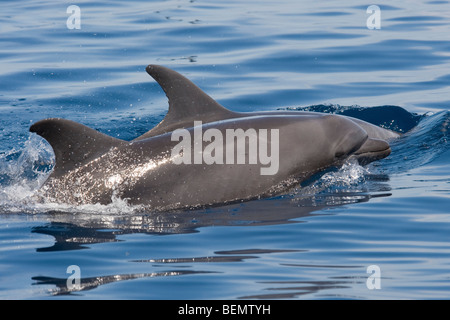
x,y
22,175
23,172
350,174
345,185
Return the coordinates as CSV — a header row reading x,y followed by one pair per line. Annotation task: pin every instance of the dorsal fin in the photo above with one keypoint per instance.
x,y
187,102
73,143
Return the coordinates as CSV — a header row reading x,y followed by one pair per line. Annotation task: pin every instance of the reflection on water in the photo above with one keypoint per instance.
x,y
77,231
74,232
93,282
275,289
63,288
290,289
295,289
80,231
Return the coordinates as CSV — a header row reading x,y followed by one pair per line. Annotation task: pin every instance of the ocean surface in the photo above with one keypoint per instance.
x,y
376,232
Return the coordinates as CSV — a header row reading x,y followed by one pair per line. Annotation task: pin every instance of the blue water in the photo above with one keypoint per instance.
x,y
315,242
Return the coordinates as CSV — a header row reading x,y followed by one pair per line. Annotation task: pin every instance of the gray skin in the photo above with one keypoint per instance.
x,y
95,168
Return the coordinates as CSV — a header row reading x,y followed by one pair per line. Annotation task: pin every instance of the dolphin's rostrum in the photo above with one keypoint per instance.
x,y
92,167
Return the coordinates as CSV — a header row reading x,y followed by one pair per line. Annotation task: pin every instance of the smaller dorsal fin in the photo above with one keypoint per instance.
x,y
187,102
73,143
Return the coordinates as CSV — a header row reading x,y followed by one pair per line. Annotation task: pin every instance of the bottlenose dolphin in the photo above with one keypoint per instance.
x,y
92,167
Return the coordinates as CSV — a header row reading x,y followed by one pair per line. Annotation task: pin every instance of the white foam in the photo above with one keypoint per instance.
x,y
26,170
22,171
350,174
335,187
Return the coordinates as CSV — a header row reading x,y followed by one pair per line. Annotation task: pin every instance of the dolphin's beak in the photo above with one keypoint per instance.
x,y
371,150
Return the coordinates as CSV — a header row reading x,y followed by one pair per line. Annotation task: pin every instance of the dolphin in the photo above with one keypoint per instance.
x,y
291,147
